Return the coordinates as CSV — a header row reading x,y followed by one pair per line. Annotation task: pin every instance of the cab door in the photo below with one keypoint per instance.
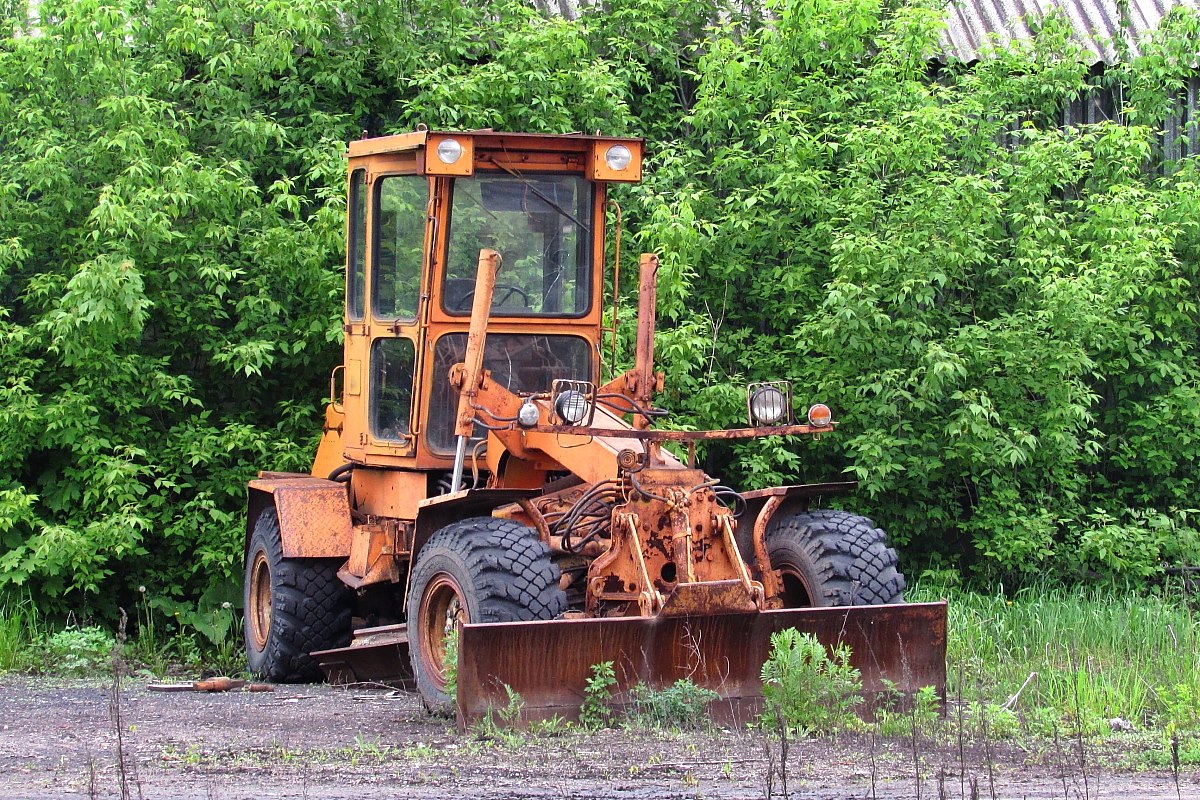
x,y
398,252
355,326
386,251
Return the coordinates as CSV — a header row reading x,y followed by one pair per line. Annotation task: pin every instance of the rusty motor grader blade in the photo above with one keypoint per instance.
x,y
896,647
376,656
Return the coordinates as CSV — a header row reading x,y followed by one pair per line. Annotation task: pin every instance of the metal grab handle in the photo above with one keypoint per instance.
x,y
333,396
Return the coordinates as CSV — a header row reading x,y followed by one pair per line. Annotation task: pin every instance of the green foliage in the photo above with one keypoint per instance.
x,y
80,651
681,706
1083,656
171,224
1001,310
505,729
595,713
807,689
451,666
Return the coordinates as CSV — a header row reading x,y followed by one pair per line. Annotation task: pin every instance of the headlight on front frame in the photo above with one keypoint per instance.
x,y
769,403
571,401
571,407
528,414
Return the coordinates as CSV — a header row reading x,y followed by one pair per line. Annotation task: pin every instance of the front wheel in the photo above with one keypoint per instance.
x,y
832,558
293,607
482,569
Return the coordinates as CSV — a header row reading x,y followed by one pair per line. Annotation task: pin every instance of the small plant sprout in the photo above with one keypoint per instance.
x,y
595,712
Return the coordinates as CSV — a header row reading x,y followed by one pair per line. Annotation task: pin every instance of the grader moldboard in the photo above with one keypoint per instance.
x,y
477,475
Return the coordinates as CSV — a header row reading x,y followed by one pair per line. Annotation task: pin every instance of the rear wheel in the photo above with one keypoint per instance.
x,y
481,569
832,558
293,607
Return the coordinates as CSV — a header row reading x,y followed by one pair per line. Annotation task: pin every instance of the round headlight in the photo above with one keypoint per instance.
x,y
571,407
527,414
618,157
449,150
819,416
768,405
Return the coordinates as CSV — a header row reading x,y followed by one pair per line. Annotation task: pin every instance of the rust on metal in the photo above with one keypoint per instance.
x,y
762,559
643,361
801,490
549,663
314,515
377,655
373,553
683,436
481,306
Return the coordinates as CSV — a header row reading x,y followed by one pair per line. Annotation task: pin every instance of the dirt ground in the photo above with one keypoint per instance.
x,y
61,739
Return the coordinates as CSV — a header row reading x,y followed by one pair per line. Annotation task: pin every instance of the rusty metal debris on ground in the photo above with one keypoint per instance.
x,y
221,684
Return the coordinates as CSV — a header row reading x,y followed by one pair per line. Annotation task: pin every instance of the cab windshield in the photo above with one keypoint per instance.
x,y
540,225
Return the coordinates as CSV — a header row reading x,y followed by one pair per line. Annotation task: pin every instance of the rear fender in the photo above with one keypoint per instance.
x,y
314,514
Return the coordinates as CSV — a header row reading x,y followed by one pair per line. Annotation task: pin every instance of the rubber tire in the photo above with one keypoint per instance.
x,y
502,573
310,609
835,558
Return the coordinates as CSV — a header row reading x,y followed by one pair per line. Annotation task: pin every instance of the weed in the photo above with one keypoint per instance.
x,y
921,718
554,726
418,752
805,688
451,666
1098,654
504,731
998,721
682,705
371,747
80,651
595,713
20,636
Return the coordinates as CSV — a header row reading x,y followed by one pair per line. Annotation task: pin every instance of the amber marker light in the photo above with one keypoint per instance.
x,y
819,416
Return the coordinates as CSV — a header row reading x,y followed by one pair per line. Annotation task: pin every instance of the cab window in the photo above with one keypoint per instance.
x,y
400,202
540,225
356,247
391,388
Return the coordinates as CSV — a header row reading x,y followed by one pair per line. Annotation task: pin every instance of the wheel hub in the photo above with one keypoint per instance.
x,y
442,612
258,615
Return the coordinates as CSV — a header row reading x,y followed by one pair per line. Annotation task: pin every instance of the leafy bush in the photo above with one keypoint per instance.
x,y
80,651
595,713
807,689
683,706
1000,309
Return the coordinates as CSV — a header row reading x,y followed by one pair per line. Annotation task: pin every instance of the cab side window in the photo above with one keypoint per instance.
x,y
399,245
356,248
391,388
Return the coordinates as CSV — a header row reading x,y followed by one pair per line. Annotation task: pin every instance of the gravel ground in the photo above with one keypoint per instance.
x,y
64,739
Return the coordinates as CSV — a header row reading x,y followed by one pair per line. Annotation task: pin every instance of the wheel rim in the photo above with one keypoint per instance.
x,y
258,615
442,611
796,591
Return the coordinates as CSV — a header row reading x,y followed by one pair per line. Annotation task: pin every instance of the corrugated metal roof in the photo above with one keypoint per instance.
x,y
970,24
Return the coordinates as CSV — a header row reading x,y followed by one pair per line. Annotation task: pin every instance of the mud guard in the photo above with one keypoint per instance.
x,y
314,514
899,646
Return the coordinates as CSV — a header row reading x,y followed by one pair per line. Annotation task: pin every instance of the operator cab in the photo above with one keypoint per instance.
x,y
421,206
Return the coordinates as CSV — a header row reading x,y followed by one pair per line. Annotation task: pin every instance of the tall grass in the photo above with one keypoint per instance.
x,y
1098,654
21,636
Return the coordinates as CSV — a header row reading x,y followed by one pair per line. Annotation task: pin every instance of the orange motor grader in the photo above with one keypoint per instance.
x,y
478,475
